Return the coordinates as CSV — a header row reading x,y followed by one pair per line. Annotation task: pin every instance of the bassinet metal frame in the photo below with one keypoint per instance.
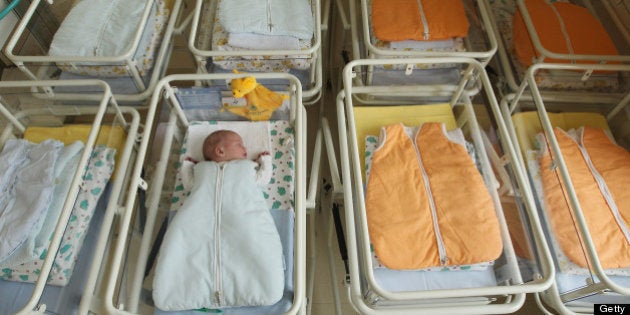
x,y
128,117
165,91
552,301
364,294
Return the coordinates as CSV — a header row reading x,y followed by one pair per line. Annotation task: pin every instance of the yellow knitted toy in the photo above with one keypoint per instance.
x,y
261,102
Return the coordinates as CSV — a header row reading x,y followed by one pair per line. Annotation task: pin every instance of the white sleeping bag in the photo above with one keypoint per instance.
x,y
222,248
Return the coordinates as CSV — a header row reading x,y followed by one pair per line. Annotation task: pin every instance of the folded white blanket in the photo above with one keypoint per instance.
x,y
93,186
268,17
37,242
98,28
30,192
64,172
263,42
12,156
423,44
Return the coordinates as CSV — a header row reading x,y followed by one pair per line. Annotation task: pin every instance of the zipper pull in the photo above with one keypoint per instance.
x,y
217,297
444,260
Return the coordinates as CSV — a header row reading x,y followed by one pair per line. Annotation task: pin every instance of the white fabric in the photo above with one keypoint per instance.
x,y
85,210
64,172
31,193
268,17
423,44
422,280
263,42
98,28
222,248
37,242
12,156
263,175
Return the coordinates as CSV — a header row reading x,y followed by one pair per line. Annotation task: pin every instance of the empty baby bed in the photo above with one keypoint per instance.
x,y
575,152
64,165
407,253
135,278
125,43
260,36
561,31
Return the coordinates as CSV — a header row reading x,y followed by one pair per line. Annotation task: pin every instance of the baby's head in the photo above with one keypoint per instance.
x,y
224,145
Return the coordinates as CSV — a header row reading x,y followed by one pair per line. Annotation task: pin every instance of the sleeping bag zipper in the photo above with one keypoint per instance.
x,y
423,17
436,226
269,24
601,184
217,238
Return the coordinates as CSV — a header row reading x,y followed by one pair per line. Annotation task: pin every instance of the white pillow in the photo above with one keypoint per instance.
x,y
98,28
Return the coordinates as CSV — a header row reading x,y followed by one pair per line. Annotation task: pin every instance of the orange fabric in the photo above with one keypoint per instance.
x,y
398,204
396,20
613,164
587,35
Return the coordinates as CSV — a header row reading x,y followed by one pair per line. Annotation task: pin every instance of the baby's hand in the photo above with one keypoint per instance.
x,y
189,159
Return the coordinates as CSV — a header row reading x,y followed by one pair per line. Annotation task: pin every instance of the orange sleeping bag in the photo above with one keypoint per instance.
x,y
584,35
396,20
600,173
427,204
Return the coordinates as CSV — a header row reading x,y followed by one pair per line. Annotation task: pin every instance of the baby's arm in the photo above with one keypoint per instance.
x,y
264,172
186,172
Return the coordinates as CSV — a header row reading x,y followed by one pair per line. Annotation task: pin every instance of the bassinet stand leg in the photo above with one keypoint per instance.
x,y
313,261
334,226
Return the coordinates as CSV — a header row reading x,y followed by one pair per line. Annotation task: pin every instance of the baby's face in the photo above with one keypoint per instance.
x,y
234,147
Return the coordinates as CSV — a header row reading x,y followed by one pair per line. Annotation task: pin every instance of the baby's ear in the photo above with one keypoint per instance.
x,y
219,151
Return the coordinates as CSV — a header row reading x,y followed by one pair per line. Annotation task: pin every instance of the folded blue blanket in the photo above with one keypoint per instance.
x,y
268,17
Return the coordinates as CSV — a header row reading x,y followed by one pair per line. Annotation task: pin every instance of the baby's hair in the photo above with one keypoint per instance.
x,y
212,140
